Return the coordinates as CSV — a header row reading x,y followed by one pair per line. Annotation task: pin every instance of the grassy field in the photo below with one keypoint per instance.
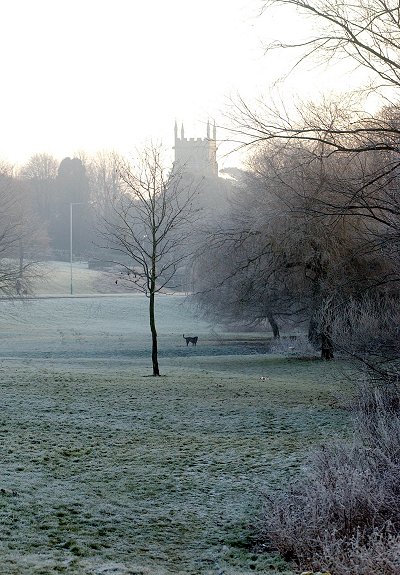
x,y
105,470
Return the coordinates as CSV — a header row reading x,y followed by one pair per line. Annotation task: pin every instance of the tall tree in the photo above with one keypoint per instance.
x,y
363,189
39,175
22,240
104,181
273,258
150,228
72,187
366,34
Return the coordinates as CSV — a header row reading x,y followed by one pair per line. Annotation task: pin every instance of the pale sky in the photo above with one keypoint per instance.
x,y
112,74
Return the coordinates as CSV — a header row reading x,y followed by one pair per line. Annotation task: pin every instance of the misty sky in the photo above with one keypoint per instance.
x,y
110,74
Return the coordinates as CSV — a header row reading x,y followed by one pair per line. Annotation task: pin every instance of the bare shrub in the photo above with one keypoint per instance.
x,y
343,513
381,555
366,329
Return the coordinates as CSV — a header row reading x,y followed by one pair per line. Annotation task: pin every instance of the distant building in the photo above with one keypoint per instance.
x,y
197,156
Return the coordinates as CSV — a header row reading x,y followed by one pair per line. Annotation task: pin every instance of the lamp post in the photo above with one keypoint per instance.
x,y
70,235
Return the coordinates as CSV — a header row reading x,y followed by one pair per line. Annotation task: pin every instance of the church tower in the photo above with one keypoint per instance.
x,y
197,156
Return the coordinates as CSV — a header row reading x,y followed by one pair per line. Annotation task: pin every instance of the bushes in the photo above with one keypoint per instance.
x,y
343,513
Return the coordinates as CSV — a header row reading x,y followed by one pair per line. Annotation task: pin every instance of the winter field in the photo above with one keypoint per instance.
x,y
105,470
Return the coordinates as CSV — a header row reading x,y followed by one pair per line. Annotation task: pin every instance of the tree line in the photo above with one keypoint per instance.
x,y
36,212
312,236
308,239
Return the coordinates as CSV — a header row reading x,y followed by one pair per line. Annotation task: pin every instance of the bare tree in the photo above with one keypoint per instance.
x,y
21,237
103,177
40,174
365,34
355,153
150,227
277,258
367,31
40,167
236,272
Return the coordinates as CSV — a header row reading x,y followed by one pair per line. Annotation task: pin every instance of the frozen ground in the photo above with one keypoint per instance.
x,y
94,328
55,278
107,471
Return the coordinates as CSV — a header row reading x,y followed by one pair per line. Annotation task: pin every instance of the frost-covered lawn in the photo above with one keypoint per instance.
x,y
107,471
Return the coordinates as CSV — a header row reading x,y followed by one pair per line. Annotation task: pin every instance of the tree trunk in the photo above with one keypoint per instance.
x,y
21,257
326,343
274,325
313,332
154,348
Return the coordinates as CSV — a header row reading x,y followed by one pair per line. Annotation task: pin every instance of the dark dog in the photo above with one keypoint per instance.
x,y
192,340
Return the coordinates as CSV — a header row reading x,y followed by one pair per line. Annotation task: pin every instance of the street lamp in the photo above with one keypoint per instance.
x,y
70,234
